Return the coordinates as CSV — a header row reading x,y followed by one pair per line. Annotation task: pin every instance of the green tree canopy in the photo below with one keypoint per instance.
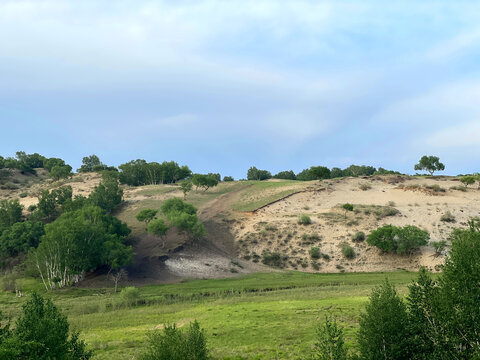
x,y
255,174
158,228
146,215
430,164
204,181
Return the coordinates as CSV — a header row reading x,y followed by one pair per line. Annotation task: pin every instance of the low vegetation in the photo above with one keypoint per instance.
x,y
398,240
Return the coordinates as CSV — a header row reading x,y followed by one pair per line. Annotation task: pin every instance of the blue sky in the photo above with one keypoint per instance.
x,y
222,85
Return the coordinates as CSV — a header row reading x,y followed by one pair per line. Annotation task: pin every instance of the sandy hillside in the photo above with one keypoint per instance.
x,y
275,228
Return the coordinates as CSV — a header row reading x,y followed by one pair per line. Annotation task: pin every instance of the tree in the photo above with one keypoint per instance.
x,y
177,205
320,172
20,237
107,195
430,164
89,163
347,207
384,332
117,276
49,163
146,215
173,344
158,227
60,172
228,178
10,213
286,175
50,203
42,332
330,344
305,175
77,242
204,181
336,173
186,187
183,216
255,174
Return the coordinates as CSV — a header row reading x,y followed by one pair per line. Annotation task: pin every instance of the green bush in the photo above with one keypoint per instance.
x,y
274,259
173,344
330,344
447,217
399,240
359,236
348,251
439,246
304,220
130,295
315,252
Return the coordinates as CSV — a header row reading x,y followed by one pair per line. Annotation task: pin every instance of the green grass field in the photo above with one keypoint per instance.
x,y
260,316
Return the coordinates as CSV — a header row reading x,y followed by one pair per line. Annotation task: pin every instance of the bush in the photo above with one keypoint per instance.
x,y
130,295
304,220
439,246
365,187
274,259
468,180
228,178
448,217
359,236
399,240
315,252
173,344
348,251
435,188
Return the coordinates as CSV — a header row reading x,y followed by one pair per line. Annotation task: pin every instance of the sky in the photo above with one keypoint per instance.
x,y
223,85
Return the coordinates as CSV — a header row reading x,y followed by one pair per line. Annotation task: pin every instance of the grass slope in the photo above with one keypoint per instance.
x,y
260,316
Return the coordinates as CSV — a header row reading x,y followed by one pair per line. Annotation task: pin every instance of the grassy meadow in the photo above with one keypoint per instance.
x,y
259,316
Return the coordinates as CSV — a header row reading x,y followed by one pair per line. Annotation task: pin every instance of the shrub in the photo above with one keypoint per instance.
x,y
348,251
365,187
130,295
274,259
439,246
448,217
315,252
304,220
228,178
173,344
435,188
359,236
459,188
468,180
399,240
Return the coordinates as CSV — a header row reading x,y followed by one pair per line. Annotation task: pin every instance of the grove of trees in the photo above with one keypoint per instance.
x,y
139,172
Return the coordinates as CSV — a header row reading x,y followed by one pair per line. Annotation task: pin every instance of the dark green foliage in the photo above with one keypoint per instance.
x,y
320,172
460,293
274,259
20,237
439,246
173,344
204,181
305,175
216,176
61,172
80,241
286,175
347,207
399,240
159,228
304,220
330,344
183,216
348,251
42,333
139,172
382,171
107,195
177,205
50,163
358,170
89,163
430,164
50,203
315,252
255,174
468,180
146,215
384,329
359,236
336,172
186,187
10,213
228,178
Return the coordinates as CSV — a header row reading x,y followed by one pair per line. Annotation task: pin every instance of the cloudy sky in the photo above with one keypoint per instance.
x,y
222,85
